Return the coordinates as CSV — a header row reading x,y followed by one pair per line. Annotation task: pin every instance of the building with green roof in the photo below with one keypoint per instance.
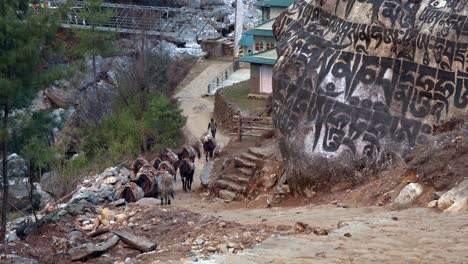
x,y
259,46
261,71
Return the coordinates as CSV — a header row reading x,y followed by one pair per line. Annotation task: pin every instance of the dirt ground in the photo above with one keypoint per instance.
x,y
361,226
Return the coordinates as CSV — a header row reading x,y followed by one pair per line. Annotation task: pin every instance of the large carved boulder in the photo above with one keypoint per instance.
x,y
358,80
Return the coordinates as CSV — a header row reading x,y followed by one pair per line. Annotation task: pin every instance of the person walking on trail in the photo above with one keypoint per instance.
x,y
212,126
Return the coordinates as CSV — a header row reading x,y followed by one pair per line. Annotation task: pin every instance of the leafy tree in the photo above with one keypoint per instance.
x,y
24,41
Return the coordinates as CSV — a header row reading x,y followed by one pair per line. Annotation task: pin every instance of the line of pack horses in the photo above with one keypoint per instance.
x,y
158,177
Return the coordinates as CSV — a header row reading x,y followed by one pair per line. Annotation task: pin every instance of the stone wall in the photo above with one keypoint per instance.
x,y
358,80
224,112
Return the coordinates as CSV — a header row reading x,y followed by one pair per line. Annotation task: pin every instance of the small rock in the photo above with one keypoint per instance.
x,y
233,245
211,249
258,239
86,222
118,203
112,222
409,193
222,224
187,242
300,227
190,223
342,223
231,250
247,234
432,204
107,214
199,241
347,235
111,180
75,235
320,231
394,218
120,218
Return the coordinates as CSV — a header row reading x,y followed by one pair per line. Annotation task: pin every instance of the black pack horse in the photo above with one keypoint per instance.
x,y
189,152
209,145
186,169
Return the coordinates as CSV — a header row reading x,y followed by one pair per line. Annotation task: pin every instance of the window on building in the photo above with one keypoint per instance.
x,y
266,13
258,45
270,45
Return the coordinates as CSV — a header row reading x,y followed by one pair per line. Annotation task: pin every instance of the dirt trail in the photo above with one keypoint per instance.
x,y
373,234
198,111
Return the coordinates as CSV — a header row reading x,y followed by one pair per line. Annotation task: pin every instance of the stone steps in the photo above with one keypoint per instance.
x,y
236,178
246,171
229,185
245,163
227,195
250,157
258,152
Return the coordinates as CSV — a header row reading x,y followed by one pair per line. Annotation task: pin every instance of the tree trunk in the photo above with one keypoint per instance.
x,y
5,171
95,83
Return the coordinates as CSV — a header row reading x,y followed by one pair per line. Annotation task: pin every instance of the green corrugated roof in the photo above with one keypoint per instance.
x,y
247,40
262,3
265,57
275,3
265,29
281,3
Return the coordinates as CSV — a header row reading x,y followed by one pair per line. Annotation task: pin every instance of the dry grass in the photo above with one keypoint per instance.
x,y
237,94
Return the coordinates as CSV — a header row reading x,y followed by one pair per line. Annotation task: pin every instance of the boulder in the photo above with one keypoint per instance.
x,y
51,183
205,174
14,259
16,166
409,193
211,4
456,199
61,97
357,81
45,198
19,195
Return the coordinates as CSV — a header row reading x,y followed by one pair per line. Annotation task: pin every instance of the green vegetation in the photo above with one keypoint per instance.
x,y
237,94
129,132
24,44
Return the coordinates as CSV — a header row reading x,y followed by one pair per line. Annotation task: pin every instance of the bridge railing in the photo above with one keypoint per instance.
x,y
153,20
216,82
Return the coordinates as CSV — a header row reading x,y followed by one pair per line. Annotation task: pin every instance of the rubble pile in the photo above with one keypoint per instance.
x,y
94,222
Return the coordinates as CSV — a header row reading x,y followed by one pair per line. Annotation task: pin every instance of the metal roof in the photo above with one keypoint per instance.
x,y
275,3
265,57
265,29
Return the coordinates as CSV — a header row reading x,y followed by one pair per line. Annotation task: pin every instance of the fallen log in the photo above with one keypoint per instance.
x,y
140,243
131,192
90,250
99,232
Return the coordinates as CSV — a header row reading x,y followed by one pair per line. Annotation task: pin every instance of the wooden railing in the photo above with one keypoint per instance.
x,y
252,126
223,76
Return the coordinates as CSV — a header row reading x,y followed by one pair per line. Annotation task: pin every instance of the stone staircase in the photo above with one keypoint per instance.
x,y
233,186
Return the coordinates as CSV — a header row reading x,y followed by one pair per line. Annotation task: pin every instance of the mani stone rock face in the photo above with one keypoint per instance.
x,y
356,80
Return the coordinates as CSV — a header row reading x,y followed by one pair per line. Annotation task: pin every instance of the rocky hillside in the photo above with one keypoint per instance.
x,y
362,83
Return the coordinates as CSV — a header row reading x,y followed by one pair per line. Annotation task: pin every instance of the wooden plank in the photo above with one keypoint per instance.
x,y
140,243
257,128
251,135
90,250
252,117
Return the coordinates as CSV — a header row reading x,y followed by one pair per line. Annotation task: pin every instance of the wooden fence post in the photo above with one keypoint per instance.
x,y
240,128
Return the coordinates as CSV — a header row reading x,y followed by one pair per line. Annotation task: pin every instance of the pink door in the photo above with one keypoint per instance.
x,y
266,79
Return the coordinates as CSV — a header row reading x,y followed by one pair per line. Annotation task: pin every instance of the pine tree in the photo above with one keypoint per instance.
x,y
24,40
